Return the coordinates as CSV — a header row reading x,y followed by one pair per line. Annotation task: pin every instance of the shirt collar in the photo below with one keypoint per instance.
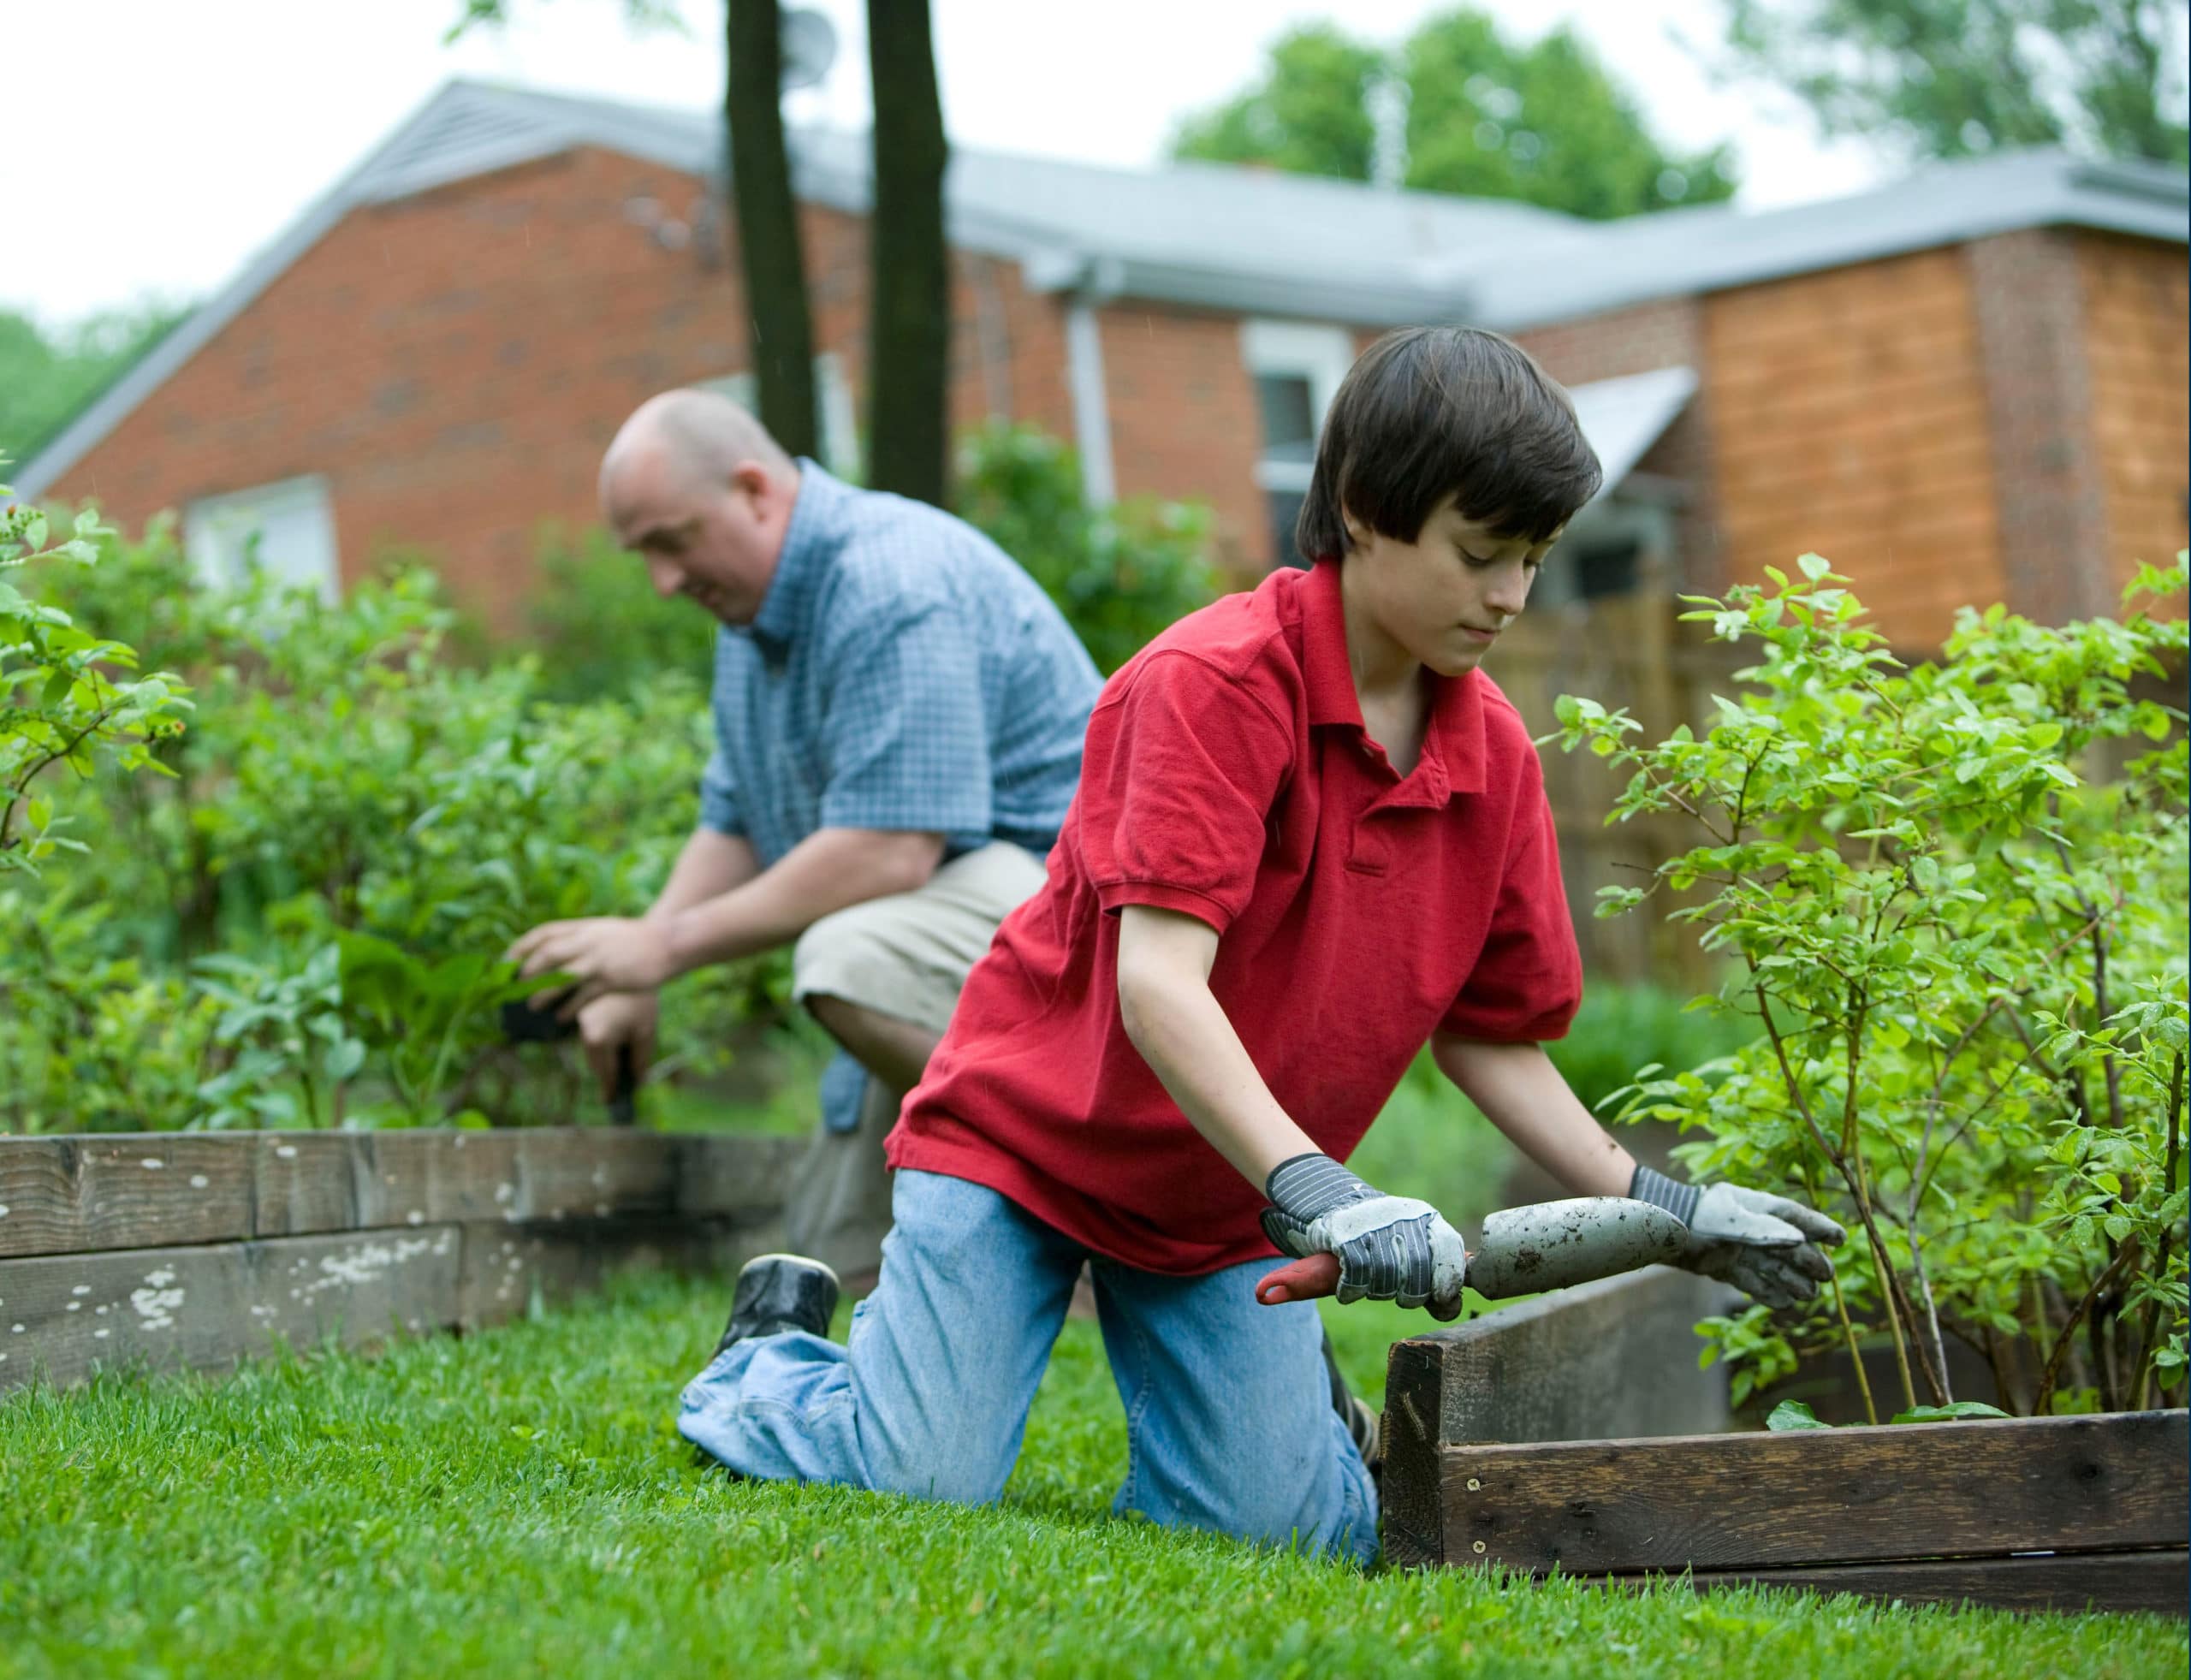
x,y
809,542
1453,760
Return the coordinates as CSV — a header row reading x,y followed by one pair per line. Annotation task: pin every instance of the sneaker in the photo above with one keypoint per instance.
x,y
778,1293
1365,1426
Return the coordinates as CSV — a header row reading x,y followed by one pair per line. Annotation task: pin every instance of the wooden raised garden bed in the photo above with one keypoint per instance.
x,y
196,1249
1603,1478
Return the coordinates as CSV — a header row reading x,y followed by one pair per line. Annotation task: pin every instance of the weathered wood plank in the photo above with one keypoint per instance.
x,y
94,1193
1747,1501
1414,1511
2155,1582
205,1306
1563,1366
129,1189
506,1266
737,1177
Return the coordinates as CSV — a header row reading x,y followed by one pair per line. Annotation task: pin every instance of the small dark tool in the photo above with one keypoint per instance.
x,y
527,1021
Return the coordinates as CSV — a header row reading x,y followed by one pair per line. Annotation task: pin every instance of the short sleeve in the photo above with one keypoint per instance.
x,y
1180,769
719,807
903,733
1528,979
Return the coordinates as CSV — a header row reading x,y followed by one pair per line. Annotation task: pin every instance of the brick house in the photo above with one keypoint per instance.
x,y
1969,385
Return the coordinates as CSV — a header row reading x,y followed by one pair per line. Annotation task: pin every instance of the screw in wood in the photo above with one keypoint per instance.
x,y
1479,1546
1475,1485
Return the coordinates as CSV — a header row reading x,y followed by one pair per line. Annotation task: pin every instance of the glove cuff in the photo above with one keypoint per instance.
x,y
1308,1186
1660,1191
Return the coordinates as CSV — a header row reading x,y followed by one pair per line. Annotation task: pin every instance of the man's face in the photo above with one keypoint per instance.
x,y
714,543
1445,596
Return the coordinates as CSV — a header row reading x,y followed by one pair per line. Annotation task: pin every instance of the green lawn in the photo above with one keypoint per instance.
x,y
518,1503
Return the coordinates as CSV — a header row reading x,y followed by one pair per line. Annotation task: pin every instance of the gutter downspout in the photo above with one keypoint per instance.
x,y
1098,282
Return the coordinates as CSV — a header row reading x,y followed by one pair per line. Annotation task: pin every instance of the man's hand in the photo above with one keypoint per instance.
x,y
1765,1245
1390,1248
602,953
610,1024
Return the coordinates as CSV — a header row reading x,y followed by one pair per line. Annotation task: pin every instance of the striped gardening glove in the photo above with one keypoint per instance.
x,y
1765,1245
1390,1248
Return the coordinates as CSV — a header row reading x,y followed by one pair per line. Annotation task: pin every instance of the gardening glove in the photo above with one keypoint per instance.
x,y
1390,1248
1765,1245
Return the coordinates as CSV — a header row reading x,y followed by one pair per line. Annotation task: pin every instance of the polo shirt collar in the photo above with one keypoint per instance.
x,y
809,540
1453,760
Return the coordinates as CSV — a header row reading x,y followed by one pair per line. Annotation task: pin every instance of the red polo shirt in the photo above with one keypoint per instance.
x,y
1227,775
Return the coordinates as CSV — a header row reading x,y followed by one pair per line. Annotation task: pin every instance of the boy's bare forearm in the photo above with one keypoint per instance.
x,y
1522,1093
1182,1031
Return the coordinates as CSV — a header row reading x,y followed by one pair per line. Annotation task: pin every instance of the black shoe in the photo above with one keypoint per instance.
x,y
777,1292
1367,1426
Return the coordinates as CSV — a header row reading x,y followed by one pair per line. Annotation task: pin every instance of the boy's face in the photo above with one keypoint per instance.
x,y
1445,598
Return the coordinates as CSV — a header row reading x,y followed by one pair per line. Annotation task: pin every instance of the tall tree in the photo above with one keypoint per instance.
x,y
779,330
1310,114
1545,123
910,302
1957,78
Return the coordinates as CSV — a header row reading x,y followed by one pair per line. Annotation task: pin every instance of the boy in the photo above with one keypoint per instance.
x,y
1310,837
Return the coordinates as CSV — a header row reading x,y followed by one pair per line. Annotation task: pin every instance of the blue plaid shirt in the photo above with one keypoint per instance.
x,y
903,673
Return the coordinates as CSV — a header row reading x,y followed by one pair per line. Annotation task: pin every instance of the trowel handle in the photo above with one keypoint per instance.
x,y
1300,1280
622,1106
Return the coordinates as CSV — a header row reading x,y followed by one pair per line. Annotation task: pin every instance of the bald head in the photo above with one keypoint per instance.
x,y
697,438
695,485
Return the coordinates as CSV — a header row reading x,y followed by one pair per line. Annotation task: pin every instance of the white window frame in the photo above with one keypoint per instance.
x,y
832,396
1297,349
217,533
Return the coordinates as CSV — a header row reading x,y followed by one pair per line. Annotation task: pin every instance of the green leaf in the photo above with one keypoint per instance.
x,y
1793,1414
1947,1414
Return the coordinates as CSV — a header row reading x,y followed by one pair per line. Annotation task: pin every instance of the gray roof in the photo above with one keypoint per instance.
x,y
1251,240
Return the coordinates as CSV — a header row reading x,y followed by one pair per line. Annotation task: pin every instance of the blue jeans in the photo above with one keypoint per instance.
x,y
1229,1420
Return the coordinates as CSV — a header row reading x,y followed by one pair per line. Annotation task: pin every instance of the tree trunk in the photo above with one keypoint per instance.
x,y
779,335
909,329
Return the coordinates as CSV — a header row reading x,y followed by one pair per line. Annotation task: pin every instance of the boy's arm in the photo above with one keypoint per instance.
x,y
1765,1244
1389,1247
1183,1033
1522,1093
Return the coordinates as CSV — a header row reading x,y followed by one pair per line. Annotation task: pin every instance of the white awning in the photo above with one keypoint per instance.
x,y
1623,418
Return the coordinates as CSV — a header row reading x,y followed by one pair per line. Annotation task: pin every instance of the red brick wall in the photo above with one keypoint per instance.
x,y
455,363
2137,302
1184,420
1849,409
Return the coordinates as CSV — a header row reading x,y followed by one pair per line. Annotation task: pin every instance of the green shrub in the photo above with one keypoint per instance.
x,y
1621,1029
1119,575
1965,963
599,628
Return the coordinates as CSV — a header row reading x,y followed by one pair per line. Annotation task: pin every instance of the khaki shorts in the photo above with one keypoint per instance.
x,y
904,956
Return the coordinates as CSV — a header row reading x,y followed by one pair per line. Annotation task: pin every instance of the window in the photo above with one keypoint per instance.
x,y
832,396
287,530
1296,369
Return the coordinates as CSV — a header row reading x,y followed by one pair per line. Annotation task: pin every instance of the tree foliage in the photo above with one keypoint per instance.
x,y
1959,78
1545,123
47,377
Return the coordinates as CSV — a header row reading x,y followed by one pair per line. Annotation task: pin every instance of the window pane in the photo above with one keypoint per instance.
x,y
1289,412
1284,513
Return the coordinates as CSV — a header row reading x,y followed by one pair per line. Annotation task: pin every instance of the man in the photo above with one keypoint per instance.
x,y
898,711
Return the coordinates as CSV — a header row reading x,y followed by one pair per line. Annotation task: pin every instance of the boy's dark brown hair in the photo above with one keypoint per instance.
x,y
1431,412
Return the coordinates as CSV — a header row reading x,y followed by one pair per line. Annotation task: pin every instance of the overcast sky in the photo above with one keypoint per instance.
x,y
155,144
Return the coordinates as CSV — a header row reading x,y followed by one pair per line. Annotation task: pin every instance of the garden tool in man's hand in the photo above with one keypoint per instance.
x,y
1522,1251
527,1021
